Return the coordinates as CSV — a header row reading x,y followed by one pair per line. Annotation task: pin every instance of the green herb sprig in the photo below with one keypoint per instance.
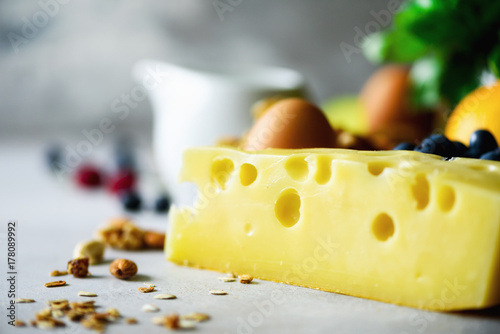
x,y
450,44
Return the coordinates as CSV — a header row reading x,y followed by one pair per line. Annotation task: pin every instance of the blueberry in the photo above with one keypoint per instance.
x,y
404,146
162,204
426,147
124,153
460,149
481,142
491,155
446,147
54,156
473,153
131,201
437,137
437,144
124,160
430,145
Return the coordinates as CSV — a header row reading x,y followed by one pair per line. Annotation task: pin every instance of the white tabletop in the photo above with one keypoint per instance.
x,y
53,216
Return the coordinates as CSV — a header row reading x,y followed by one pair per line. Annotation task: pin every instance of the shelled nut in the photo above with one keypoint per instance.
x,y
123,268
93,249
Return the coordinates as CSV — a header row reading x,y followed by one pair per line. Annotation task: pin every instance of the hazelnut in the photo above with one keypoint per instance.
x,y
154,239
123,268
79,267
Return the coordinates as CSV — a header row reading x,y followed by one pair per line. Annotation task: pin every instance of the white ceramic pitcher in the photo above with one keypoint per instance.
x,y
194,106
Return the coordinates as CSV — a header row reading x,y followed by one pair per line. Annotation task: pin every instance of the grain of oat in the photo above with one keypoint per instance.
x,y
59,304
146,289
55,284
150,308
113,313
246,279
197,317
186,324
164,296
227,279
58,273
57,313
24,300
86,294
44,324
172,321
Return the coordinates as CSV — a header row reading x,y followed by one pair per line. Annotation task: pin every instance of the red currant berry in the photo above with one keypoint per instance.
x,y
88,176
124,180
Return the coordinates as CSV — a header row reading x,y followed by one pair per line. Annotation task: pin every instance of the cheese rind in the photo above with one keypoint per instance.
x,y
397,226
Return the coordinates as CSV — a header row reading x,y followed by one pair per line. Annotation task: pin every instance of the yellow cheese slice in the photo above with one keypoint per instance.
x,y
402,227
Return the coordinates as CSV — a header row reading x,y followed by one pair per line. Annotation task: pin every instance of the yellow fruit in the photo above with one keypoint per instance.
x,y
478,110
347,113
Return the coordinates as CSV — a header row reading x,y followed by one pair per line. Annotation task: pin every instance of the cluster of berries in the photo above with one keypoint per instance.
x,y
482,145
123,182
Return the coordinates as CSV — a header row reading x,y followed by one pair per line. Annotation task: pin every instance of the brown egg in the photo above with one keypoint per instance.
x,y
385,96
290,123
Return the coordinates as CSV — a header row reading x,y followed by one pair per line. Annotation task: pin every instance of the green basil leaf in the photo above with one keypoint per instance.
x,y
461,75
494,61
437,23
393,46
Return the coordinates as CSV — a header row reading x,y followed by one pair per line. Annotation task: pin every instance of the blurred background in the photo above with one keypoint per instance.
x,y
62,62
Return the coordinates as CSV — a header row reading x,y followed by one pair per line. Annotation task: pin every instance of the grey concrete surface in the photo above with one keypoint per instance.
x,y
63,62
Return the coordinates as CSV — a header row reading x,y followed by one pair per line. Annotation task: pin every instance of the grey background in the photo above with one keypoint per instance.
x,y
65,76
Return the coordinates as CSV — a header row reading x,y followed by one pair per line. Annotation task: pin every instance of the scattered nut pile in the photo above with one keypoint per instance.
x,y
121,234
83,312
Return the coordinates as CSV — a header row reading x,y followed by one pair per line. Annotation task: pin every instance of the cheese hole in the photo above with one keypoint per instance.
x,y
221,172
478,167
420,191
287,208
377,167
323,170
297,168
446,198
248,174
248,229
483,167
383,227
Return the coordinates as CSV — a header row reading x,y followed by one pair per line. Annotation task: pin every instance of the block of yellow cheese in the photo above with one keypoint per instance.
x,y
402,227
